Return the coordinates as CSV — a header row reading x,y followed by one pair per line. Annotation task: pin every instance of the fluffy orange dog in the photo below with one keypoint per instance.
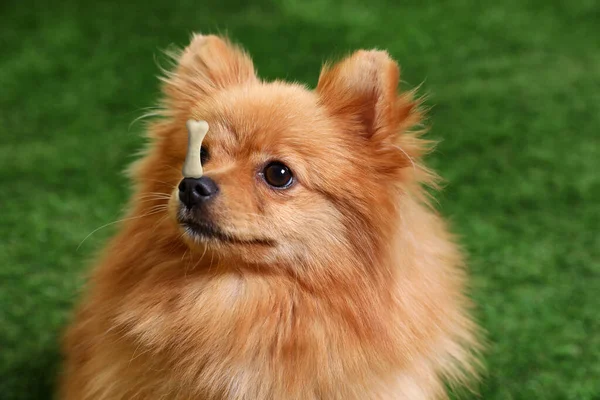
x,y
304,264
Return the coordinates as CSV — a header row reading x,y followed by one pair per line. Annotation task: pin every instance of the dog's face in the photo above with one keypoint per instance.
x,y
267,165
290,175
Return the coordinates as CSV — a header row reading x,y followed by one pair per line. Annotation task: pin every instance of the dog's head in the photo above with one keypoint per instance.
x,y
290,175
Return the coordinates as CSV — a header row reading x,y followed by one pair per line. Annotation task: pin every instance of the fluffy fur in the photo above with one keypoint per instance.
x,y
345,286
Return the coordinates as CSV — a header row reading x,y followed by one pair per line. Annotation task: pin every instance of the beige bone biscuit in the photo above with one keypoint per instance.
x,y
192,167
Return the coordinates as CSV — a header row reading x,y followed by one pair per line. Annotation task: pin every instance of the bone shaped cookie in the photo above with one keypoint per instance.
x,y
192,167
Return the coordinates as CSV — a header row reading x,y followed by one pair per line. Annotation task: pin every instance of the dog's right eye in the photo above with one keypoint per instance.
x,y
203,155
278,175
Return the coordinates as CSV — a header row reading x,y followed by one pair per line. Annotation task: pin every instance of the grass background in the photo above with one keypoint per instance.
x,y
515,87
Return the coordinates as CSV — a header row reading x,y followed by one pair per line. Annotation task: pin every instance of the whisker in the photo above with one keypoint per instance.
x,y
115,222
150,199
162,205
203,253
154,196
173,168
197,262
407,156
150,194
133,357
158,208
155,112
212,256
160,221
160,202
159,181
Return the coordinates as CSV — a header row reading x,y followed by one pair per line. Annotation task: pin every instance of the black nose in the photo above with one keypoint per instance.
x,y
194,191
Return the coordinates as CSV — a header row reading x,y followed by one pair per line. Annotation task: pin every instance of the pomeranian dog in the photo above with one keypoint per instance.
x,y
304,264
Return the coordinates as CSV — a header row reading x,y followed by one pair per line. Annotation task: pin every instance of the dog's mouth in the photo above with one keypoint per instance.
x,y
206,231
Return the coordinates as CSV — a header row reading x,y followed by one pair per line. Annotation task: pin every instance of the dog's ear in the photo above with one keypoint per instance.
x,y
362,91
208,64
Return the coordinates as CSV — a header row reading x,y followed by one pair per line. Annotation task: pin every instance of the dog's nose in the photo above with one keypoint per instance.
x,y
194,191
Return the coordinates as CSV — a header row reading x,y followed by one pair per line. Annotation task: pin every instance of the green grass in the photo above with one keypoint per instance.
x,y
515,89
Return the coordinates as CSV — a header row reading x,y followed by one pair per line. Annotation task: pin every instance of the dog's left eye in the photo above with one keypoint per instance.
x,y
203,154
278,175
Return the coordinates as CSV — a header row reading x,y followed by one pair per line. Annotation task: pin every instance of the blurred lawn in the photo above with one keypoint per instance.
x,y
515,87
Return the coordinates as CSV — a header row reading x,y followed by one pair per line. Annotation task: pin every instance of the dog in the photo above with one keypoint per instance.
x,y
305,263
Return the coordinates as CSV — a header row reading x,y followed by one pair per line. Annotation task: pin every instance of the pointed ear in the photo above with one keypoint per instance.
x,y
208,64
362,90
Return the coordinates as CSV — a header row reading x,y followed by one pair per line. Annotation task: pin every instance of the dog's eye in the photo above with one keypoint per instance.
x,y
278,175
203,154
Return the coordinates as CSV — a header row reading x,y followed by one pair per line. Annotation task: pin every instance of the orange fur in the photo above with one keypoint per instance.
x,y
358,293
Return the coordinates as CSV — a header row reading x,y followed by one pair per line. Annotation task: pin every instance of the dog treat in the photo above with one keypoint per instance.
x,y
192,167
